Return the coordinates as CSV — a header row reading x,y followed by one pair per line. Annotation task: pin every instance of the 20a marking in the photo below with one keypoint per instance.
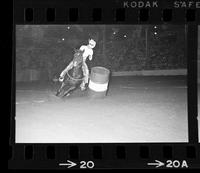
x,y
176,164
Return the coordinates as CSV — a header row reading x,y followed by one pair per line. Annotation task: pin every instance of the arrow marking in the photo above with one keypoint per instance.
x,y
157,163
69,164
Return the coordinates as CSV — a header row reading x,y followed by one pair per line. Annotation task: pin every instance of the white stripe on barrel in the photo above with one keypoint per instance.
x,y
99,80
98,87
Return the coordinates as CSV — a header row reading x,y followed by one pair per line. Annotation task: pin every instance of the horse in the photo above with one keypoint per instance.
x,y
74,77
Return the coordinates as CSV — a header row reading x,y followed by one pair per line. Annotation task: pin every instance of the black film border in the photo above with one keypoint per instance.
x,y
48,156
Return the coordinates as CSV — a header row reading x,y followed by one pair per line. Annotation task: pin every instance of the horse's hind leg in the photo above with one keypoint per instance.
x,y
69,90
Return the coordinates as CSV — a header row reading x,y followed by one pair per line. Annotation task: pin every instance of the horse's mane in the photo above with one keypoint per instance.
x,y
78,57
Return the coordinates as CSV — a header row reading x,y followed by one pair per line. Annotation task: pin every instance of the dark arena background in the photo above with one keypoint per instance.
x,y
146,99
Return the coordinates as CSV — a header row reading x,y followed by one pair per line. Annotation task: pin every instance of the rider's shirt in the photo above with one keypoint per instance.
x,y
88,52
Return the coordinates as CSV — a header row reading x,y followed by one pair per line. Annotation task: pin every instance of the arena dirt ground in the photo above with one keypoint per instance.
x,y
136,109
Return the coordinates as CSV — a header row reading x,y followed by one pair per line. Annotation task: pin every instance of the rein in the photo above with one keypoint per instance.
x,y
74,78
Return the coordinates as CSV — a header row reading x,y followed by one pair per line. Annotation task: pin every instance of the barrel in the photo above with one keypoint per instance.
x,y
98,83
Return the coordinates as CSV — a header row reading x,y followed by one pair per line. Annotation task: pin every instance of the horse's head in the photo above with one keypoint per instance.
x,y
78,57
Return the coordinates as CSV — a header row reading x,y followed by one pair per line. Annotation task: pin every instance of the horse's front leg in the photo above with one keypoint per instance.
x,y
60,89
69,90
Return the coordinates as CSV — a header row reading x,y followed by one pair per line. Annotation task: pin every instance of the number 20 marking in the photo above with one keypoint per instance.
x,y
85,165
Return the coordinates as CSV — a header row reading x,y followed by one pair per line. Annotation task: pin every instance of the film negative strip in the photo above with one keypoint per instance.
x,y
141,59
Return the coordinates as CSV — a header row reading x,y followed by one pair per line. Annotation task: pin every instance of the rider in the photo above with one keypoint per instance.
x,y
88,53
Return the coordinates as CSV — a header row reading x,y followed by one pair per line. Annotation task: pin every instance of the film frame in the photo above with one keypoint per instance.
x,y
109,156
